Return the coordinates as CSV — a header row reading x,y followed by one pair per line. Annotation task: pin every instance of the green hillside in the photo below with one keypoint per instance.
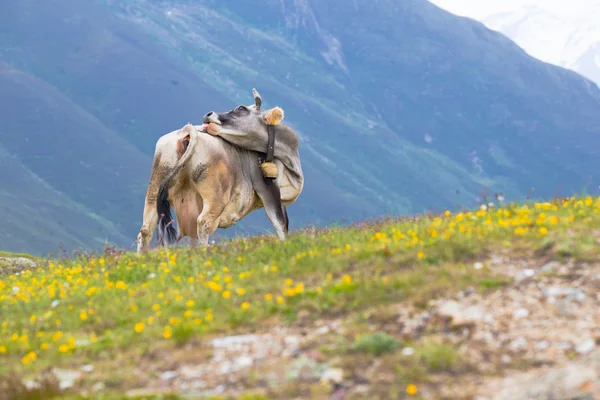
x,y
378,310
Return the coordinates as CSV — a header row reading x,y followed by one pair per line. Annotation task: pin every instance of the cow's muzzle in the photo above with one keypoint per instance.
x,y
211,117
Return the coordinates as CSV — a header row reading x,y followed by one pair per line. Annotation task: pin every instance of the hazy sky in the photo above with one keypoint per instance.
x,y
482,8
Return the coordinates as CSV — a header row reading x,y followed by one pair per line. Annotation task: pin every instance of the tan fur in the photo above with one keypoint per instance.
x,y
213,129
273,116
187,205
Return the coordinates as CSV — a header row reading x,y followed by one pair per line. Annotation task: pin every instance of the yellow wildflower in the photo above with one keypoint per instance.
x,y
245,305
420,255
56,337
226,294
411,389
190,303
139,327
29,357
240,291
268,297
83,315
167,333
520,231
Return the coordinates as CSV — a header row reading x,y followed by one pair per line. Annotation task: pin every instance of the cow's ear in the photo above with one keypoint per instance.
x,y
273,116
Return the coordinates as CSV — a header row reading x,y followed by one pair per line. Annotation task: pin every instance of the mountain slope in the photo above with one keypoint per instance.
x,y
391,77
400,107
74,155
562,33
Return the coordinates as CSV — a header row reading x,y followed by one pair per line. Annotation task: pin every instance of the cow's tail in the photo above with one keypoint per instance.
x,y
166,230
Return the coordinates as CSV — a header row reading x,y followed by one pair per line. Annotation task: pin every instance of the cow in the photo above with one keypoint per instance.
x,y
211,175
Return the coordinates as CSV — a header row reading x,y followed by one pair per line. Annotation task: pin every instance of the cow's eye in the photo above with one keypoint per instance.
x,y
240,108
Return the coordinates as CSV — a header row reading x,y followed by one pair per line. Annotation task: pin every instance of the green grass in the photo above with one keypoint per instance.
x,y
15,255
376,344
111,310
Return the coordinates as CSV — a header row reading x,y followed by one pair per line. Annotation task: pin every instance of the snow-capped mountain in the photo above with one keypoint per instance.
x,y
560,32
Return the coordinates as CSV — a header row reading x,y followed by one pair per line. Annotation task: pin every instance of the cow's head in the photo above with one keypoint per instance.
x,y
243,119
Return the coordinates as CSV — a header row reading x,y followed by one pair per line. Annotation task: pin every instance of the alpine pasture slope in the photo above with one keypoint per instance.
x,y
401,108
430,306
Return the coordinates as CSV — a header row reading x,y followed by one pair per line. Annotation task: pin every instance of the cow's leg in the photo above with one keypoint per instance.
x,y
150,216
208,220
271,198
149,222
215,189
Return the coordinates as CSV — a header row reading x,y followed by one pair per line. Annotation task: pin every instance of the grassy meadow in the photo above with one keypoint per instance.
x,y
122,311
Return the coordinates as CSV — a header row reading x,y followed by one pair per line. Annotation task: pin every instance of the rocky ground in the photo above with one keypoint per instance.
x,y
535,338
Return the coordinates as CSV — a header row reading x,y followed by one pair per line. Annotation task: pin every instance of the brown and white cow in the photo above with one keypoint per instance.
x,y
211,176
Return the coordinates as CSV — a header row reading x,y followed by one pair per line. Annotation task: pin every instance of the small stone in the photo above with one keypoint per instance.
x,y
321,331
543,345
197,385
243,362
506,358
17,264
66,377
518,343
528,273
333,375
168,375
87,368
55,303
478,265
408,351
586,346
191,372
30,384
549,267
98,386
521,313
552,291
459,315
291,345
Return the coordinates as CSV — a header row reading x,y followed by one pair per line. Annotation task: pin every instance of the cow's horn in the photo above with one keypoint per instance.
x,y
257,98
